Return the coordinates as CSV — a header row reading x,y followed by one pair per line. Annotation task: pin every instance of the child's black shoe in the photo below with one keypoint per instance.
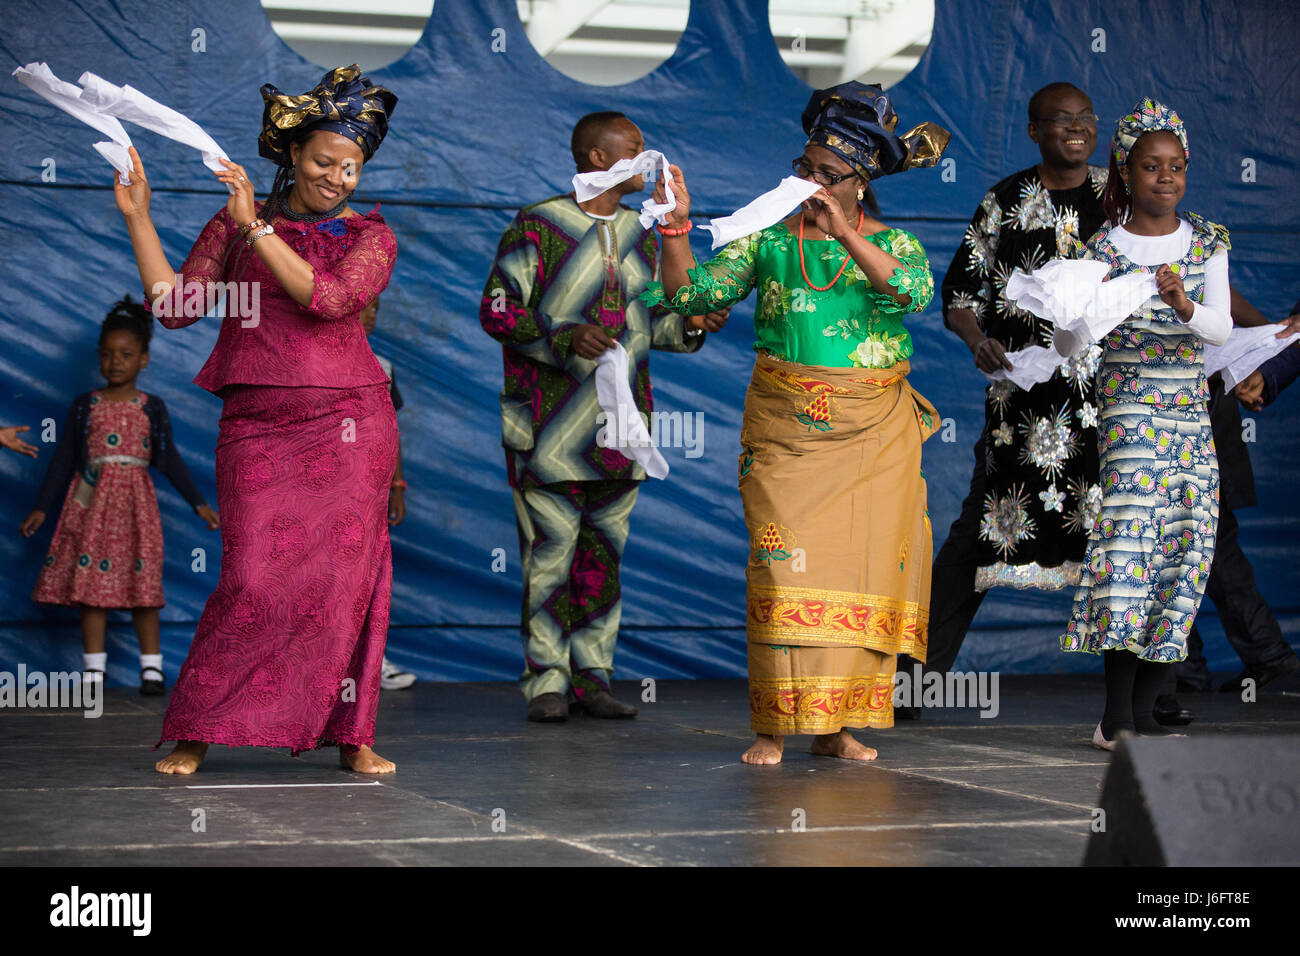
x,y
152,686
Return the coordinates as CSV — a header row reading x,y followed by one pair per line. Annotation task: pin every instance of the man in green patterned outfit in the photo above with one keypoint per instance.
x,y
563,289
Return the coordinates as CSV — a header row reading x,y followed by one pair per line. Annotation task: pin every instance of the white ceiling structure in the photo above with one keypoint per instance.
x,y
607,42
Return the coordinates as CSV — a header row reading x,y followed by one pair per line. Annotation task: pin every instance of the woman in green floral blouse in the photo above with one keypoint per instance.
x,y
839,568
855,320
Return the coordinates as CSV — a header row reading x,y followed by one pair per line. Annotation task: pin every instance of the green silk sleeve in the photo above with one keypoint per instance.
x,y
722,281
914,277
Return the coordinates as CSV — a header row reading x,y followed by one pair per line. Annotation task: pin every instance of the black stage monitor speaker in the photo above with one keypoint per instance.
x,y
1216,801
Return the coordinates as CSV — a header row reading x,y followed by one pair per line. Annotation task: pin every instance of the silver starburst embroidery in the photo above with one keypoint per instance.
x,y
1087,505
964,300
982,236
1081,368
1000,392
1034,211
1048,441
1067,231
1098,176
1002,435
1032,258
1006,520
1051,498
1087,415
1001,273
980,252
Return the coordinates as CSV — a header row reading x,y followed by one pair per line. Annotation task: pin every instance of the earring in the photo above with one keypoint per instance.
x,y
860,194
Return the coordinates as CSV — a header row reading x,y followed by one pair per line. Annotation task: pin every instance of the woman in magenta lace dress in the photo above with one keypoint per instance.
x,y
288,650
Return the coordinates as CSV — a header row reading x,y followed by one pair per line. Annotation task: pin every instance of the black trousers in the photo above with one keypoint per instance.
x,y
953,598
1247,621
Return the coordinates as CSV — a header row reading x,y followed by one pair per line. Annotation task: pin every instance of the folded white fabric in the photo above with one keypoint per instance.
x,y
649,164
126,103
1030,366
38,78
624,429
1245,351
767,210
1073,295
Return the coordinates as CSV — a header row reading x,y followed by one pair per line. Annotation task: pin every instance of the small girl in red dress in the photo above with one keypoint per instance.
x,y
107,550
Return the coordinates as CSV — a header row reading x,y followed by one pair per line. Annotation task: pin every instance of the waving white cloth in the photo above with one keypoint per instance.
x,y
38,78
126,103
1073,295
1246,350
767,210
624,430
1029,366
649,164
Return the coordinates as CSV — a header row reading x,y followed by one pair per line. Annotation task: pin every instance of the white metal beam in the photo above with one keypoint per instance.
x,y
892,28
553,22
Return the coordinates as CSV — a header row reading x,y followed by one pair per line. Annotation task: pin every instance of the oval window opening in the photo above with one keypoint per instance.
x,y
332,33
826,42
604,42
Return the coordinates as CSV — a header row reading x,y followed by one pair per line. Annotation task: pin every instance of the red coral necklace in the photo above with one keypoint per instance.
x,y
843,265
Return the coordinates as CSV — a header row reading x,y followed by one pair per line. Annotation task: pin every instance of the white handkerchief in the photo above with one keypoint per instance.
x,y
767,210
131,105
624,428
38,78
649,164
1073,296
1244,352
1030,366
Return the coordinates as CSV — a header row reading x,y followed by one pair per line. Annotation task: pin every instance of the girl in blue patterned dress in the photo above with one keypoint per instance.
x,y
1150,547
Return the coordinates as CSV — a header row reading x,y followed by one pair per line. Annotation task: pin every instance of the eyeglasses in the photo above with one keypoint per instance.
x,y
803,170
1065,120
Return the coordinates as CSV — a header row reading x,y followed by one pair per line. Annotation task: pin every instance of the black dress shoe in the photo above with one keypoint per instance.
x,y
547,709
1263,676
601,703
150,686
1169,713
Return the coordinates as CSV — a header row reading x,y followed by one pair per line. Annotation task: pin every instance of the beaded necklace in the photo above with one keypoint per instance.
x,y
843,265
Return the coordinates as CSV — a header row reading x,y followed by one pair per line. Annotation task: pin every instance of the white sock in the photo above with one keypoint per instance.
x,y
151,660
95,662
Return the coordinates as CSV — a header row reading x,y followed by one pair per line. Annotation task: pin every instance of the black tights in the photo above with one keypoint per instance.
x,y
1131,689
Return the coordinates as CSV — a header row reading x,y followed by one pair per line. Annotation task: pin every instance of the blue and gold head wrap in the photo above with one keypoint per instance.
x,y
344,102
1149,116
856,122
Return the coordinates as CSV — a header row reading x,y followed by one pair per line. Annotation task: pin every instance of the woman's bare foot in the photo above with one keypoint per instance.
x,y
364,760
184,759
766,750
841,744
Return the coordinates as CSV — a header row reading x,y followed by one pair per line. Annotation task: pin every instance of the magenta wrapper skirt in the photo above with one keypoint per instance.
x,y
289,648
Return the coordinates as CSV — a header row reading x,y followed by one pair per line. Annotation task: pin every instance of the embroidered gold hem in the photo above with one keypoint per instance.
x,y
815,617
820,704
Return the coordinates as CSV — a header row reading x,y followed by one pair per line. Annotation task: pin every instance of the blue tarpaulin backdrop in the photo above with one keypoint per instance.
x,y
482,128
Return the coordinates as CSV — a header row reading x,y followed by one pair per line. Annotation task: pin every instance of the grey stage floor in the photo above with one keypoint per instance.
x,y
477,785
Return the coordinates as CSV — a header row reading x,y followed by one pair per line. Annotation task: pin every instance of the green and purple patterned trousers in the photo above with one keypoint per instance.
x,y
571,538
